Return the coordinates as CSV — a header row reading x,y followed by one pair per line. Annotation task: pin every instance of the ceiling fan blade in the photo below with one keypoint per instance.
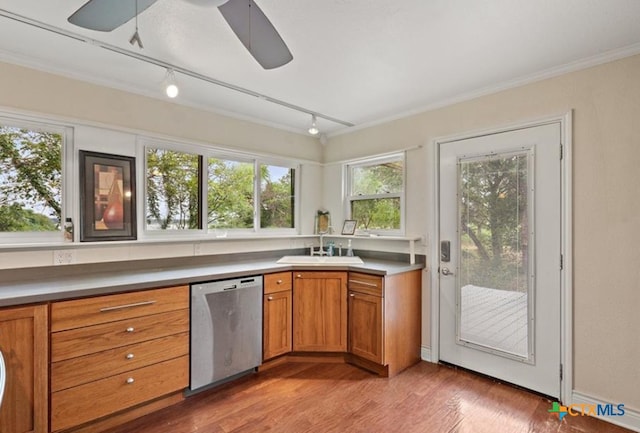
x,y
107,15
256,33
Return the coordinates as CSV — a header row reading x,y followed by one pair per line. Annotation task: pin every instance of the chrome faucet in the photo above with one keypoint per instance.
x,y
320,251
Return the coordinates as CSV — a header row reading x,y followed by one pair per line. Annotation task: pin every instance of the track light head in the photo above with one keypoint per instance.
x,y
313,129
171,88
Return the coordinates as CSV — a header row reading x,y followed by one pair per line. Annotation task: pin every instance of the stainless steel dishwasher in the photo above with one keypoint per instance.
x,y
226,329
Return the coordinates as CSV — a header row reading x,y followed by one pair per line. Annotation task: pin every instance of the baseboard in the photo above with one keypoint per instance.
x,y
425,353
630,419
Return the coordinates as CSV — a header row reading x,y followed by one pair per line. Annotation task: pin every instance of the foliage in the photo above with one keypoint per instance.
x,y
15,218
31,177
377,179
172,189
494,223
277,200
370,205
230,194
376,214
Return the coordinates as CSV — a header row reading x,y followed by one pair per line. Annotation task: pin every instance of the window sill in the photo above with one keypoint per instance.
x,y
152,240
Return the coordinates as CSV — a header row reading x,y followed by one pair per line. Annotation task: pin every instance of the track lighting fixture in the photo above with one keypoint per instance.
x,y
135,39
313,129
171,88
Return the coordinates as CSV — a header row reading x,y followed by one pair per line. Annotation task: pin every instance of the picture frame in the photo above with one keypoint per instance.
x,y
323,222
107,197
349,227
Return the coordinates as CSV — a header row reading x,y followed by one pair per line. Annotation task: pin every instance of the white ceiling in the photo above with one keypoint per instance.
x,y
360,61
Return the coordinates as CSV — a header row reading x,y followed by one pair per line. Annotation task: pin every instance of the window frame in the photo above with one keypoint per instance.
x,y
67,167
349,198
205,193
296,196
205,153
172,146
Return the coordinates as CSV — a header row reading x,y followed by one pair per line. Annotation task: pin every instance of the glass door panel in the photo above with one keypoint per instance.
x,y
494,287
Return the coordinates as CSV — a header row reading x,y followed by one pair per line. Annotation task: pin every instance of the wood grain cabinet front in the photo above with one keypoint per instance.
x,y
277,311
319,311
385,321
24,344
366,327
111,353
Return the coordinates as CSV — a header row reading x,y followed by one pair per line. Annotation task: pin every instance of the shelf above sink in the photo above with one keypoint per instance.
x,y
320,260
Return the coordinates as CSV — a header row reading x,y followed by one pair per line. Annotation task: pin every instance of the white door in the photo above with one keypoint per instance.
x,y
500,264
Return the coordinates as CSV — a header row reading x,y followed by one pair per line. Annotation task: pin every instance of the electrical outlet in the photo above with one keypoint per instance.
x,y
64,257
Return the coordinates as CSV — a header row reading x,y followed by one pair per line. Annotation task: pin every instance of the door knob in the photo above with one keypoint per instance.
x,y
445,271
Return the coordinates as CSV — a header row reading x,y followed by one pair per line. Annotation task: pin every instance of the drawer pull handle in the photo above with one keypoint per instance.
x,y
299,276
352,295
279,282
122,307
129,356
364,283
130,329
130,380
270,298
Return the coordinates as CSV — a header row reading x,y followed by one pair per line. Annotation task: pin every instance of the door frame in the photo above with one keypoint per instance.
x,y
566,241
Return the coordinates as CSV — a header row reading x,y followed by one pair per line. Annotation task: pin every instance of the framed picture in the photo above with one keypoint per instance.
x,y
107,197
323,222
349,227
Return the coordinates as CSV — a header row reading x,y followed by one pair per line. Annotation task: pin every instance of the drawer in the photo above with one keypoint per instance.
x,y
92,339
78,405
365,283
278,282
103,309
84,369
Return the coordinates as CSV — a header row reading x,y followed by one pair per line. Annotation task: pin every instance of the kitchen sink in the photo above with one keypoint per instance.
x,y
320,260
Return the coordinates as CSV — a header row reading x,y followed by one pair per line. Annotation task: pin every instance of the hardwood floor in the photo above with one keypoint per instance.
x,y
306,397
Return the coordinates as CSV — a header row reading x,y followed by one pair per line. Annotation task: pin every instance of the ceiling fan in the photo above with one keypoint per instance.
x,y
245,18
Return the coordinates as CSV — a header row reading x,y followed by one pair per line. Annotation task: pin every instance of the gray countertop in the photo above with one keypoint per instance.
x,y
42,290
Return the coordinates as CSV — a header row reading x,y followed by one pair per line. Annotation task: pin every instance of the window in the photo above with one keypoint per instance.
x,y
30,177
277,197
218,191
230,194
173,190
375,194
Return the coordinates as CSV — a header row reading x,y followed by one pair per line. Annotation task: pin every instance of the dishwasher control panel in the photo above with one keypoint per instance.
x,y
222,285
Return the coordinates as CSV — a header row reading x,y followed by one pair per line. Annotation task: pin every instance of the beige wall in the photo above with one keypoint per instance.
x,y
40,92
606,224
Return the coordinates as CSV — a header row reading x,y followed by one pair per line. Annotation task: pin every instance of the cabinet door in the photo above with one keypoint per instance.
x,y
366,327
320,311
277,324
24,345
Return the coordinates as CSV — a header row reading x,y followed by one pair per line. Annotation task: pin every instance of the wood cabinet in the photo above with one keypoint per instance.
x,y
24,345
366,326
111,353
385,321
320,311
277,311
